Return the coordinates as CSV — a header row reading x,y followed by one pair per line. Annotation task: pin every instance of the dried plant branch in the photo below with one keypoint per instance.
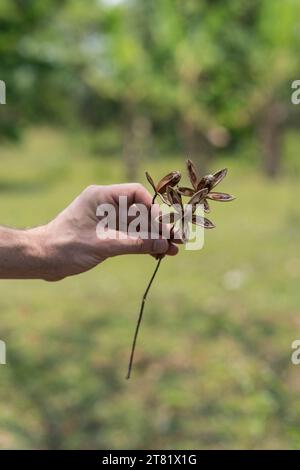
x,y
168,191
159,258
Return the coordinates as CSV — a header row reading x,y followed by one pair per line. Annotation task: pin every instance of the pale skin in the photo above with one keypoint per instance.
x,y
68,245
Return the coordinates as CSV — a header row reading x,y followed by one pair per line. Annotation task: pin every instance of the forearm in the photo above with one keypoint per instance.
x,y
21,254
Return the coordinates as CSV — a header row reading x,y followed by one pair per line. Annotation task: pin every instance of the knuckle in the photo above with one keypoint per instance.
x,y
90,190
140,245
138,186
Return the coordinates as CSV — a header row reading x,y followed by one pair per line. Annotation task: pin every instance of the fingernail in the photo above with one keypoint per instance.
x,y
160,246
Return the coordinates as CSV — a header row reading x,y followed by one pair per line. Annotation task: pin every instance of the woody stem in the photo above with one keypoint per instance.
x,y
140,318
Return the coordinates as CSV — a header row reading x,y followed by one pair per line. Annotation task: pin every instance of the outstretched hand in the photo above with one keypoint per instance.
x,y
70,245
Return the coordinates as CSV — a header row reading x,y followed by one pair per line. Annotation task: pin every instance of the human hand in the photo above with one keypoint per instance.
x,y
70,245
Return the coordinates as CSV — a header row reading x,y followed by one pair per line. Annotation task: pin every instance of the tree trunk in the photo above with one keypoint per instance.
x,y
136,132
271,138
196,145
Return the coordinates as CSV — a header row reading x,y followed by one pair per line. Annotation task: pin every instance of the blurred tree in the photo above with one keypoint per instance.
x,y
117,67
276,62
203,72
97,44
182,63
32,81
200,53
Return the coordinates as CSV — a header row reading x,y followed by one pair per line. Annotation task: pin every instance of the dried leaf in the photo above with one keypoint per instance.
x,y
219,176
222,197
171,179
186,191
192,173
202,221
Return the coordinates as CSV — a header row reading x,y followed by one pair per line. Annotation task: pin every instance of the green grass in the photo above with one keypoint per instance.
x,y
213,365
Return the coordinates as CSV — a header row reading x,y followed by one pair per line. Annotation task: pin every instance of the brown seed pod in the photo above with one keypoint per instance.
x,y
192,173
219,176
186,191
202,222
223,197
198,197
174,196
171,179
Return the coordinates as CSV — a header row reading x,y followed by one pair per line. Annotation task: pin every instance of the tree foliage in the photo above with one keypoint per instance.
x,y
201,74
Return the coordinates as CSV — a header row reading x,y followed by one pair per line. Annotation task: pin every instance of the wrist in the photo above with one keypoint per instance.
x,y
43,254
35,252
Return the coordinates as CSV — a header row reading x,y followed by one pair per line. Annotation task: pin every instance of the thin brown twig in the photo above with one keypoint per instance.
x,y
140,318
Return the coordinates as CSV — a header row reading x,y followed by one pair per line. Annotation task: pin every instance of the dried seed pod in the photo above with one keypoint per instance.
x,y
202,221
186,191
223,197
171,179
174,196
219,176
164,199
198,197
192,173
149,178
206,182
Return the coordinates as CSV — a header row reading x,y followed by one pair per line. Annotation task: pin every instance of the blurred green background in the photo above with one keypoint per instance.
x,y
98,92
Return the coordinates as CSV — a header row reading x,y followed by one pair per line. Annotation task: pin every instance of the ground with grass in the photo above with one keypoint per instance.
x,y
213,366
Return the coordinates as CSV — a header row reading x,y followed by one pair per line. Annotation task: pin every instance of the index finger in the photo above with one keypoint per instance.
x,y
135,192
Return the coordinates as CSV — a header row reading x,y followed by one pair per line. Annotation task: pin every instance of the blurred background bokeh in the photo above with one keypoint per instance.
x,y
99,92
